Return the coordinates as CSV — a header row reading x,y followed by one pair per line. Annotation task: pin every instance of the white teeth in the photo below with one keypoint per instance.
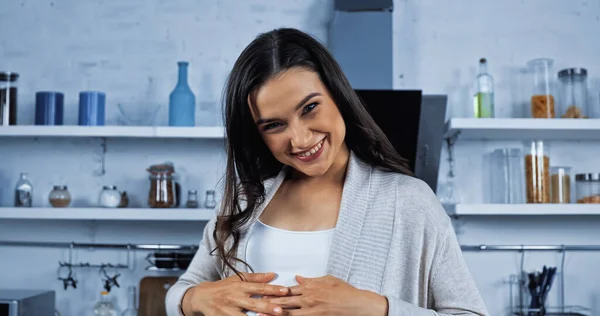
x,y
312,151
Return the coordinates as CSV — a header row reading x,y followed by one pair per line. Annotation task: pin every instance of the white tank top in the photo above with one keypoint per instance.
x,y
288,253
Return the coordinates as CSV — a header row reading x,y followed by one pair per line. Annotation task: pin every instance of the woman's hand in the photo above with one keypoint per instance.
x,y
231,296
330,296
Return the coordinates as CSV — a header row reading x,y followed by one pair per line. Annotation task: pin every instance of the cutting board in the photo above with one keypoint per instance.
x,y
153,290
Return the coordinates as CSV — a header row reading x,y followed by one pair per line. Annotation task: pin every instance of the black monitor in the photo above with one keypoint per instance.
x,y
414,124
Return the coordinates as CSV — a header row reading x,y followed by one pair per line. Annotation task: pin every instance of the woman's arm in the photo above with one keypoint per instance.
x,y
203,268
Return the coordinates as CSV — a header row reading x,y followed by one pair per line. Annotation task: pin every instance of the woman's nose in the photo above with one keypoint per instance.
x,y
301,138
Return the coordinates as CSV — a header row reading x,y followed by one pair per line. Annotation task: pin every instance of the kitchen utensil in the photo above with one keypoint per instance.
x,y
153,290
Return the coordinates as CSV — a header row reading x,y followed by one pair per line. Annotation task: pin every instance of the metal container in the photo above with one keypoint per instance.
x,y
573,93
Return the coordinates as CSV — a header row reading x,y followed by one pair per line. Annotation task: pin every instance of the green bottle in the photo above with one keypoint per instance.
x,y
483,100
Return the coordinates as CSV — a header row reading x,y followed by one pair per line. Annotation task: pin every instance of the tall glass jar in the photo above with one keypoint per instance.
x,y
573,93
537,172
506,173
542,99
560,184
162,191
8,98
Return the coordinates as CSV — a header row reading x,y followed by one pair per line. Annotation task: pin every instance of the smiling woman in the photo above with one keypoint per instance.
x,y
320,215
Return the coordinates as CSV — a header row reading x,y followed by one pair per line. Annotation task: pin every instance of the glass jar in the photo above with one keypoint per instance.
x,y
573,93
560,184
542,99
209,201
588,187
537,172
506,173
162,191
59,196
192,201
8,98
109,196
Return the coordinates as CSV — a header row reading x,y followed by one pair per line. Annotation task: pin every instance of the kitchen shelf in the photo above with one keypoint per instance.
x,y
107,214
523,129
197,132
522,209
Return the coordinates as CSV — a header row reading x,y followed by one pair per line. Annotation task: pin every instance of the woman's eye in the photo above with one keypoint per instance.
x,y
271,126
309,108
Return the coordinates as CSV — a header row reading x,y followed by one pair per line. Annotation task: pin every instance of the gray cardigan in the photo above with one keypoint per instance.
x,y
392,237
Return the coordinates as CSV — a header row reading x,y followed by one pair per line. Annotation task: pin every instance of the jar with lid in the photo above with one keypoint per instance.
x,y
59,196
209,201
192,201
109,196
162,190
560,184
542,99
537,171
588,187
573,93
8,98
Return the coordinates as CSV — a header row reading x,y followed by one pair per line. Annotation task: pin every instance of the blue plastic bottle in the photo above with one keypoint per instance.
x,y
182,102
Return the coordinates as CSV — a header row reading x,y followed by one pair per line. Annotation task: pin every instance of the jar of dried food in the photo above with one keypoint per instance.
x,y
588,187
59,196
537,172
162,191
573,93
542,100
560,183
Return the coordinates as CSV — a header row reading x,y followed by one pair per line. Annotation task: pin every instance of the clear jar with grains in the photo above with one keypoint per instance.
x,y
573,93
537,171
59,196
542,99
162,191
588,188
560,184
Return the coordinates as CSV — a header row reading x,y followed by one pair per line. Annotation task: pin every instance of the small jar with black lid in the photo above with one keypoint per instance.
x,y
8,98
588,187
573,93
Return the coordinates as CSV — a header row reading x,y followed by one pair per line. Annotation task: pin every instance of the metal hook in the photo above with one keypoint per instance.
x,y
521,283
562,278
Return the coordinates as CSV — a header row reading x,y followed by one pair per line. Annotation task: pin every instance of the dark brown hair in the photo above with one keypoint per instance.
x,y
249,161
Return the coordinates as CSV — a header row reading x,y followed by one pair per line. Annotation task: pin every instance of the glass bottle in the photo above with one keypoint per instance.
x,y
59,196
573,93
542,100
210,201
131,307
192,201
104,307
182,102
8,98
483,100
537,172
23,192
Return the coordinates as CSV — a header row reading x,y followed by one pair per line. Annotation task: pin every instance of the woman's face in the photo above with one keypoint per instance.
x,y
299,122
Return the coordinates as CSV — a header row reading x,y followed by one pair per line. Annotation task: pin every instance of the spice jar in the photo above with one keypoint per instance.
x,y
588,187
109,197
542,100
537,172
162,191
8,98
573,93
59,196
210,201
192,201
560,184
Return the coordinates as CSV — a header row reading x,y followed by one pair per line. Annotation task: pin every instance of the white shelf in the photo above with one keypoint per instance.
x,y
198,132
522,209
523,129
110,214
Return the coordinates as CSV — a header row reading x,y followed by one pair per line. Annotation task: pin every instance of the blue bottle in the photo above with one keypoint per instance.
x,y
182,102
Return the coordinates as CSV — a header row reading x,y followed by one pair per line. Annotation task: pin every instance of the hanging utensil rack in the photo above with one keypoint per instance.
x,y
520,280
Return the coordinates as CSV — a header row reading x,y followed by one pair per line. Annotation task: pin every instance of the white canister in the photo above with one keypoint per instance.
x,y
109,197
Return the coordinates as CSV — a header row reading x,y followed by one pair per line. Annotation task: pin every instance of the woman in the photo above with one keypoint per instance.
x,y
320,215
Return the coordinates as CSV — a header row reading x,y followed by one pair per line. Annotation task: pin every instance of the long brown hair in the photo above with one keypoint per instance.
x,y
249,161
